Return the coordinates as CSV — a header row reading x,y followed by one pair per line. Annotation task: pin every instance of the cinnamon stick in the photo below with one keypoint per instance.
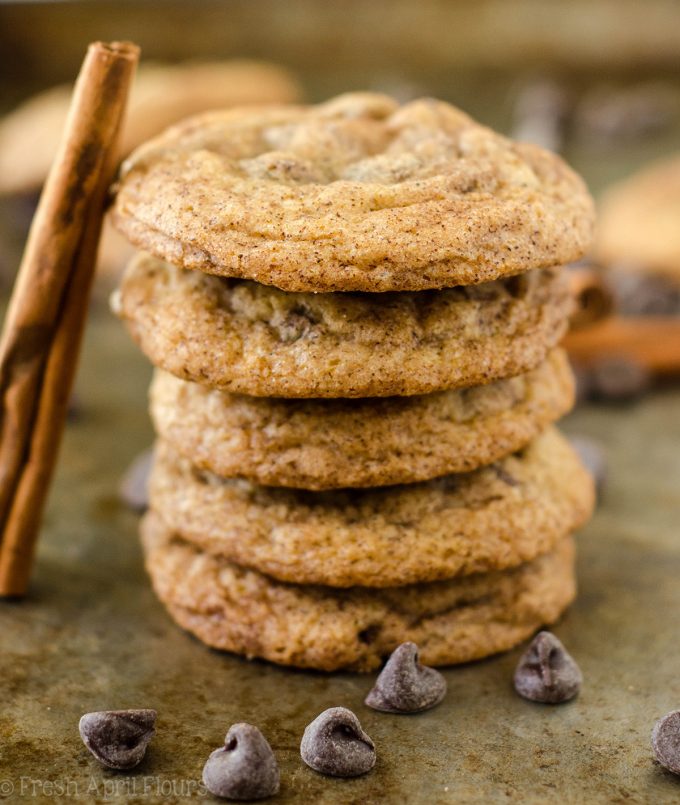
x,y
44,323
651,341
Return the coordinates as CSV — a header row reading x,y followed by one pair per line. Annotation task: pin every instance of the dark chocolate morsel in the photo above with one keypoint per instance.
x,y
133,487
406,686
504,475
666,741
334,743
118,738
244,768
546,672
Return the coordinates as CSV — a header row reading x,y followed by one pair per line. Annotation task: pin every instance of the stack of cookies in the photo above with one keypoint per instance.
x,y
355,310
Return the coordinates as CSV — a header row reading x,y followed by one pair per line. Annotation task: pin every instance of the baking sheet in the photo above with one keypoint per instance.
x,y
92,636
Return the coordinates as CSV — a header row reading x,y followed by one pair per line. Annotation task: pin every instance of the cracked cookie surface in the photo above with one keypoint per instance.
x,y
356,194
248,338
330,444
495,517
453,621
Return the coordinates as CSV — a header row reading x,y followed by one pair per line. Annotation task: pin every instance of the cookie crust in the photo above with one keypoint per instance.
x,y
455,621
493,518
356,194
247,338
331,444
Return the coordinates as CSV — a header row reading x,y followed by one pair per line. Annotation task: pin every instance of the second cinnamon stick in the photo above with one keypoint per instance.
x,y
650,341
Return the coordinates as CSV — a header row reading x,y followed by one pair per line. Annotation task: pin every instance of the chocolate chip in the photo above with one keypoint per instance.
x,y
335,744
118,738
293,328
297,323
666,741
504,475
546,672
244,768
618,379
406,686
592,455
369,634
133,489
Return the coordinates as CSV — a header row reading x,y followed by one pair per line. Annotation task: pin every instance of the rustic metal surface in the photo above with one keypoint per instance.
x,y
92,636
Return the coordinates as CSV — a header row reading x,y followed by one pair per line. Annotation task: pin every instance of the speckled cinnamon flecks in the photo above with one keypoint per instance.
x,y
330,444
247,338
453,621
355,310
357,194
495,517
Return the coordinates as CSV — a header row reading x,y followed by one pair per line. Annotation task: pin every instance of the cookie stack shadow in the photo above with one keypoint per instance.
x,y
355,313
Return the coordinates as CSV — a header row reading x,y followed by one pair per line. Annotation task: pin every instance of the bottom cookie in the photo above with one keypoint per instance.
x,y
246,612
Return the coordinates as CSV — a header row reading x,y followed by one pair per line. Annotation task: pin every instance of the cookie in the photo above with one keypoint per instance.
x,y
162,94
329,444
455,621
495,517
357,194
248,338
638,222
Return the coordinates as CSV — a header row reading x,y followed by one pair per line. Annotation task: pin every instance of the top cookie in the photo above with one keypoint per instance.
x,y
357,194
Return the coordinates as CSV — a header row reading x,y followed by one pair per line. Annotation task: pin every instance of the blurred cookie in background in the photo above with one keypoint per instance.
x,y
162,95
638,240
637,250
